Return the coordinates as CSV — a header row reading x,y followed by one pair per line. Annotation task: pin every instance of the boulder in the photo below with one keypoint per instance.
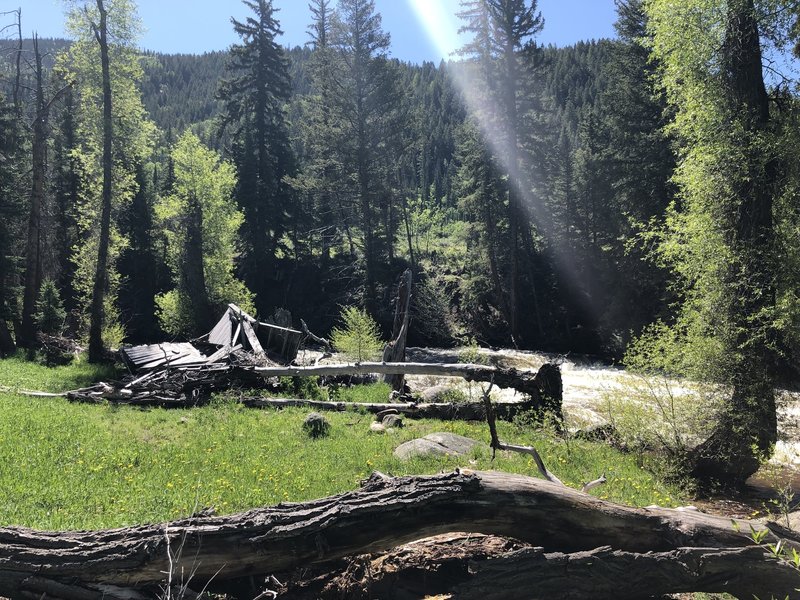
x,y
437,444
392,421
377,428
316,425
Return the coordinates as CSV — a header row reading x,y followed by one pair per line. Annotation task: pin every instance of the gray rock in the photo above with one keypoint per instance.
x,y
442,393
393,421
316,425
437,444
377,428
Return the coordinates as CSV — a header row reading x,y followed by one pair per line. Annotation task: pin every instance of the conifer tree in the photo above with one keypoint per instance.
x,y
254,94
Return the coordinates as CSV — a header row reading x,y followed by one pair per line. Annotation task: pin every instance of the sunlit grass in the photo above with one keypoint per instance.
x,y
72,466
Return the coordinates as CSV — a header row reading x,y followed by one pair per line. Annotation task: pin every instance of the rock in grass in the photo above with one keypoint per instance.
x,y
316,425
395,421
436,444
377,428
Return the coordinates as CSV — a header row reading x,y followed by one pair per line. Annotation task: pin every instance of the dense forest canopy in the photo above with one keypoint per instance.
x,y
571,199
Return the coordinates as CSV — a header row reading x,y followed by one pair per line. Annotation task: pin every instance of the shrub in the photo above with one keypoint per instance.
x,y
359,337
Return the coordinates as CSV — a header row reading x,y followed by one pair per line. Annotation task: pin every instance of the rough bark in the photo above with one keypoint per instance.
x,y
467,566
100,277
395,351
193,278
747,429
384,513
525,382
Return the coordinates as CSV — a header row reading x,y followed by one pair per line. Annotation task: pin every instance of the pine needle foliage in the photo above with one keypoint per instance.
x,y
358,337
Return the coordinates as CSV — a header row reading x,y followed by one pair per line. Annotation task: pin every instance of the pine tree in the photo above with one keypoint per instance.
x,y
254,95
368,112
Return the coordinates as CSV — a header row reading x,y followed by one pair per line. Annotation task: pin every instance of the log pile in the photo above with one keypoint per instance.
x,y
569,545
192,385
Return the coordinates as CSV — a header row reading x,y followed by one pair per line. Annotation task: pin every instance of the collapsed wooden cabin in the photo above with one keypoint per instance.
x,y
235,330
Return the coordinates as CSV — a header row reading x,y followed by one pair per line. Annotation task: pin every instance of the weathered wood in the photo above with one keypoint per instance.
x,y
444,411
522,381
384,513
395,350
488,568
252,339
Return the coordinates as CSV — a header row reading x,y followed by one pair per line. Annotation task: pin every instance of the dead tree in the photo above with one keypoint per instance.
x,y
395,350
578,535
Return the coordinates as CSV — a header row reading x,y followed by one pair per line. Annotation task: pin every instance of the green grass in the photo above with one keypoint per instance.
x,y
16,373
72,466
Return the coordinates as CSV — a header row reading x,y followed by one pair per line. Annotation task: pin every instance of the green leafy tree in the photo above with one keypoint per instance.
x,y
358,337
113,137
720,236
201,225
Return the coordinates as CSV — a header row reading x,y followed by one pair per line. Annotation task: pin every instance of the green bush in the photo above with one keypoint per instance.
x,y
359,337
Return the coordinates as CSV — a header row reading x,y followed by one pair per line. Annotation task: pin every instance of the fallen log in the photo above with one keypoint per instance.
x,y
384,513
444,411
470,566
524,382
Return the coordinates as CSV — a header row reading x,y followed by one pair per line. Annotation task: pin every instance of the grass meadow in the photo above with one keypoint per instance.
x,y
75,466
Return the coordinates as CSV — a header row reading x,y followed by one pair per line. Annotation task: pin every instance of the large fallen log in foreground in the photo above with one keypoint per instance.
x,y
474,566
384,513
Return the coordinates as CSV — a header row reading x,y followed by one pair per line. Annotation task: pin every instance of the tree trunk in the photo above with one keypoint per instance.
x,y
387,512
33,260
442,411
395,350
101,277
747,430
525,382
468,565
193,274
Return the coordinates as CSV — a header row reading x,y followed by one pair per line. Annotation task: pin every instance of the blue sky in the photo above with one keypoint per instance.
x,y
195,26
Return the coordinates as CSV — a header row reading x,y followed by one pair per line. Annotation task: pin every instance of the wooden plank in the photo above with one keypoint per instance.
x,y
252,338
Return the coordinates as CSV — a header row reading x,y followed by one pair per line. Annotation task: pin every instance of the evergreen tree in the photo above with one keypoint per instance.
x,y
11,209
503,47
254,95
368,114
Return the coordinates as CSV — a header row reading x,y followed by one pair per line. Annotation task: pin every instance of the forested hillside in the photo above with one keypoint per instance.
x,y
634,195
424,209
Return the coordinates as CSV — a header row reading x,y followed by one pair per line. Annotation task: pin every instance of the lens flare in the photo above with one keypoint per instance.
x,y
438,19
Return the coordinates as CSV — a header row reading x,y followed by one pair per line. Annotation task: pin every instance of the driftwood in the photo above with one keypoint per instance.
x,y
524,382
444,411
386,512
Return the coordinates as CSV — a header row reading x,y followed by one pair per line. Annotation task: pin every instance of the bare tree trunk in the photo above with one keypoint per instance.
x,y
472,566
101,277
387,512
395,350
